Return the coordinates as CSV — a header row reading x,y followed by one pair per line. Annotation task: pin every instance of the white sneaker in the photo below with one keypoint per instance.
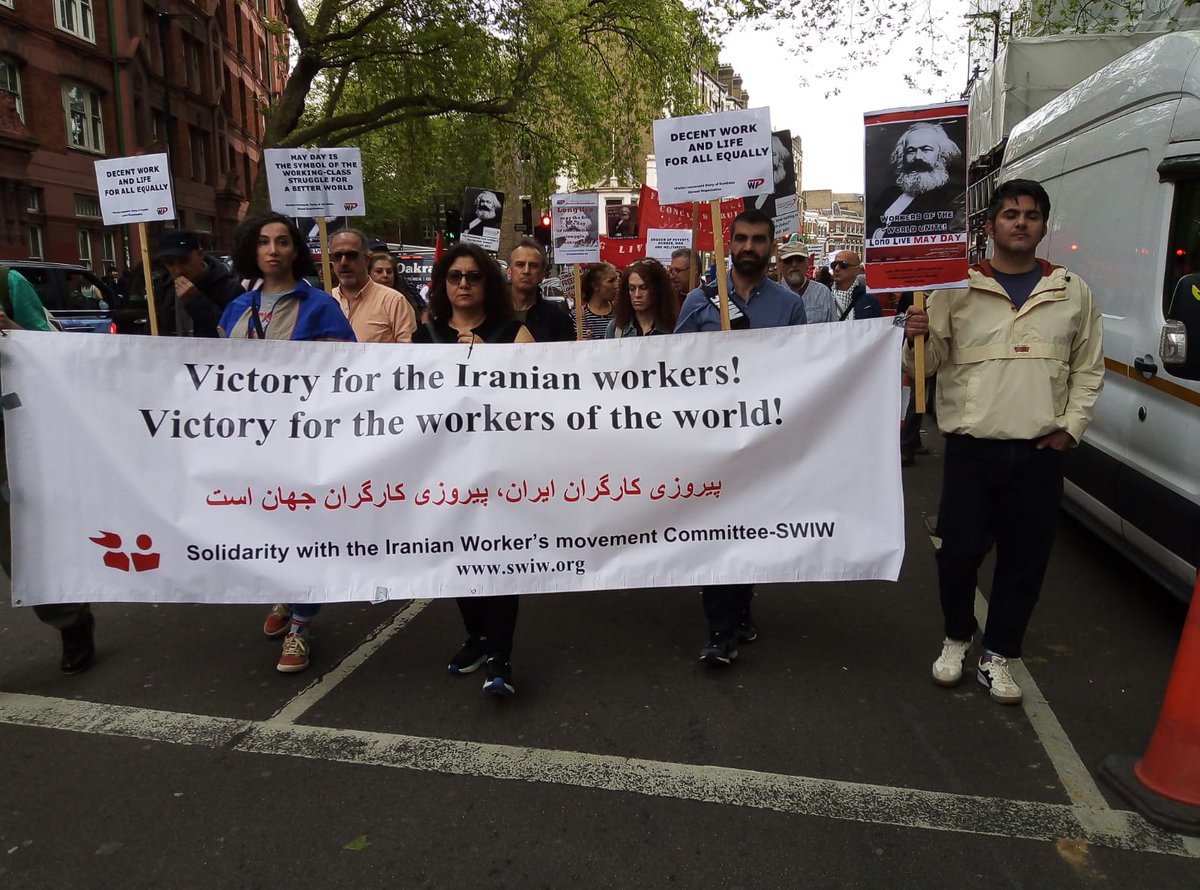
x,y
993,673
948,669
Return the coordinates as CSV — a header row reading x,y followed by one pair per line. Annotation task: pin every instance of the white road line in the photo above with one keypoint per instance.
x,y
329,681
906,808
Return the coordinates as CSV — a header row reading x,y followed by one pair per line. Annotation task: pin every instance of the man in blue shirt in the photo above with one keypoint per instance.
x,y
755,301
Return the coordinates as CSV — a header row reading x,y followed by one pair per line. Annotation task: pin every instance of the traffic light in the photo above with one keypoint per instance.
x,y
541,234
453,225
546,220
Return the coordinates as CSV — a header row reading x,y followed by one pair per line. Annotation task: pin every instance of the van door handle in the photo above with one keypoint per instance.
x,y
1146,367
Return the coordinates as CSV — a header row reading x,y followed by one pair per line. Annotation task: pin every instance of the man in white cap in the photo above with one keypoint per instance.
x,y
793,271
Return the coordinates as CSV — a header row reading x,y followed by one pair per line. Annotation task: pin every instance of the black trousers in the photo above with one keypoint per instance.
x,y
725,605
1005,492
492,617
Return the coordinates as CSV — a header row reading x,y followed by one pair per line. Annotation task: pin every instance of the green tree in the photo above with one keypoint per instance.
x,y
436,91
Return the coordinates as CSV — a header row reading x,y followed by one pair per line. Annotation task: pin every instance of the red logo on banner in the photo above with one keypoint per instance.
x,y
350,205
755,183
162,211
114,558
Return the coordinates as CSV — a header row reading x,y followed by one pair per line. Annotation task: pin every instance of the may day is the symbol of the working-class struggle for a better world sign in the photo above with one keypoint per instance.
x,y
337,471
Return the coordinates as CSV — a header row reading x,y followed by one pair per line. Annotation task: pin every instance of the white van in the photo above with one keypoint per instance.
x,y
1119,154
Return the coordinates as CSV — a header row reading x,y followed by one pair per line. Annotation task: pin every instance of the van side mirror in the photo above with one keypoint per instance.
x,y
1182,325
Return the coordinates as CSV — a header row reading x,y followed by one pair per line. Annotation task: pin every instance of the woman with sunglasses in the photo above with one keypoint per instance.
x,y
283,307
469,302
599,287
645,303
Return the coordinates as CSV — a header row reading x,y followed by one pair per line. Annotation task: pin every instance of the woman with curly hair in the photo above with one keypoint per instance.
x,y
645,303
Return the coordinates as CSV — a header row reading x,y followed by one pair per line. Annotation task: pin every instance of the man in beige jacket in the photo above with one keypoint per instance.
x,y
1020,363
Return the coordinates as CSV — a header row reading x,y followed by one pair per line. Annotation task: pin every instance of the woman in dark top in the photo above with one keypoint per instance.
x,y
645,303
469,303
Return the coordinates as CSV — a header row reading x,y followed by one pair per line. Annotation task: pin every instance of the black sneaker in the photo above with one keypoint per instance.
x,y
720,651
746,631
499,677
78,646
468,659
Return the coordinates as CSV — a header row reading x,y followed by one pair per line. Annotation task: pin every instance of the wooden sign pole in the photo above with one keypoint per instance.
x,y
150,307
719,256
694,274
919,357
326,269
579,304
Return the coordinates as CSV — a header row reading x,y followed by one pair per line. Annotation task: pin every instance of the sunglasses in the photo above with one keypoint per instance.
x,y
454,276
840,264
338,256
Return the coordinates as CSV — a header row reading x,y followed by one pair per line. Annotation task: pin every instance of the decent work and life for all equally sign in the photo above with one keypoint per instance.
x,y
234,471
704,157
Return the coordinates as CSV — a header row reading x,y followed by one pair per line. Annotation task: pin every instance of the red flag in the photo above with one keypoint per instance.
x,y
437,247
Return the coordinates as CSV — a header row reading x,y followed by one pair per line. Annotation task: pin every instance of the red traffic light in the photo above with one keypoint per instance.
x,y
546,220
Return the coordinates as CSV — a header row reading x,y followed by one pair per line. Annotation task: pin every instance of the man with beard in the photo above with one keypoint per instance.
x,y
485,213
527,270
793,271
755,301
929,180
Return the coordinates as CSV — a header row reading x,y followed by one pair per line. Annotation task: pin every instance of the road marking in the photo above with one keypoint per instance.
x,y
907,808
331,679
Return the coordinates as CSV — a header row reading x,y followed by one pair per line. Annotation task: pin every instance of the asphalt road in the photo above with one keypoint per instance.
x,y
824,758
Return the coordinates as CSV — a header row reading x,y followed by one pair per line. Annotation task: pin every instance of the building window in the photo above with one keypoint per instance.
x,y
203,223
108,250
85,248
10,82
85,124
191,64
75,17
199,150
87,206
33,201
35,242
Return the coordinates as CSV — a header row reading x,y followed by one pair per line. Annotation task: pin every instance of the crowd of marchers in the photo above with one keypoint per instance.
x,y
1017,354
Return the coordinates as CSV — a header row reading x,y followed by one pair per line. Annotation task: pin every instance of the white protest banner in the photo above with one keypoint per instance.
x,y
704,157
575,227
317,182
237,471
661,243
135,189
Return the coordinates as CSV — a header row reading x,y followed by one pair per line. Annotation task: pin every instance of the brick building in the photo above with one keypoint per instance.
x,y
77,85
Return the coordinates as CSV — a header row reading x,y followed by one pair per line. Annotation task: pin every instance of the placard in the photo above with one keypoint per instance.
x,y
135,189
575,227
316,181
661,243
483,209
704,157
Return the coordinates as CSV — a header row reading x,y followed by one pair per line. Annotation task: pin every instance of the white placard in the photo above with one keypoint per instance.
x,y
235,471
135,189
661,243
316,181
575,227
708,156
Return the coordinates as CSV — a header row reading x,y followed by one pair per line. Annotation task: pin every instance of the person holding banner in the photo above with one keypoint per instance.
x,y
377,313
1020,363
283,307
527,271
469,303
21,309
645,303
755,301
599,286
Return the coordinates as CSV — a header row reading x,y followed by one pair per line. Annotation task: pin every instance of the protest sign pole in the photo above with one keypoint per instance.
x,y
326,272
694,274
919,357
578,301
719,258
150,309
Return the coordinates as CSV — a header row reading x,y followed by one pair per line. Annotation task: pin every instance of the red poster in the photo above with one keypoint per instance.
x,y
915,229
652,215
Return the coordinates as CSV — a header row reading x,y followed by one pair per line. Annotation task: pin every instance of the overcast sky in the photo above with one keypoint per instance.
x,y
831,129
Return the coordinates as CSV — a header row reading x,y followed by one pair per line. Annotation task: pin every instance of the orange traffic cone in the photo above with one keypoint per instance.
x,y
1164,786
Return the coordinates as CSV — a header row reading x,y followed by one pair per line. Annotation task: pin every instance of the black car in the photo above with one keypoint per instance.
x,y
81,301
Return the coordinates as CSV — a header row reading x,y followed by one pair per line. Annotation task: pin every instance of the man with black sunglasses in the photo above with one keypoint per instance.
x,y
850,297
378,314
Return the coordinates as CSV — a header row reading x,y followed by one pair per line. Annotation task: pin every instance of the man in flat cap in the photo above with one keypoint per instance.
x,y
191,301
